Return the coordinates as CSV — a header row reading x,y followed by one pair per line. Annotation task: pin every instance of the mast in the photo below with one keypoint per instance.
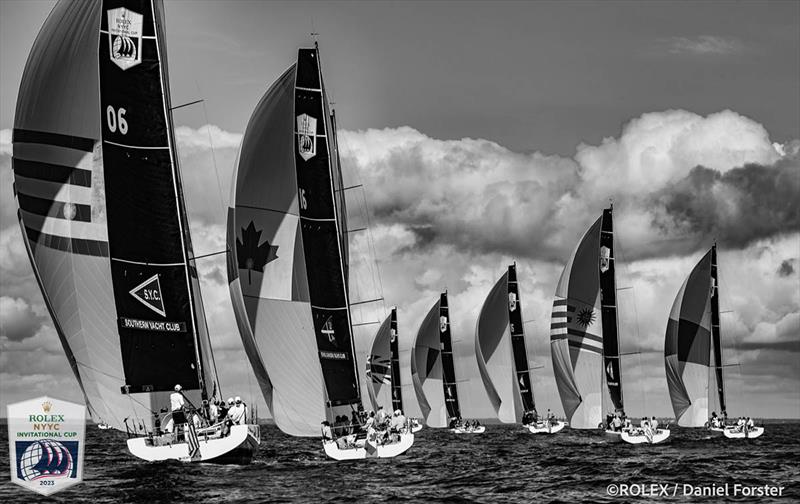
x,y
397,390
448,366
517,329
608,294
715,329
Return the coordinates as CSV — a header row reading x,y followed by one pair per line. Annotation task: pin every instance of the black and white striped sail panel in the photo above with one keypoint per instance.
x,y
687,346
494,353
426,370
522,372
576,334
608,297
322,234
379,365
266,266
147,230
60,187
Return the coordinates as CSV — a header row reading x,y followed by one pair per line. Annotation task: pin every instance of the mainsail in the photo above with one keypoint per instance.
x,y
692,333
585,350
500,348
383,366
101,208
287,269
433,369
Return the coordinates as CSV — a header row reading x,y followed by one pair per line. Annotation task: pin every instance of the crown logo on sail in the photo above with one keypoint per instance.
x,y
512,301
149,294
47,406
442,323
124,37
306,136
605,259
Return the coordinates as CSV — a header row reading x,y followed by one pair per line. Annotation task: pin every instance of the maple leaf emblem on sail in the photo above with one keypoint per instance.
x,y
252,255
586,317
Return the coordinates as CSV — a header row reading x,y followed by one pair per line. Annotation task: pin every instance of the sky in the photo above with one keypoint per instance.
x,y
486,133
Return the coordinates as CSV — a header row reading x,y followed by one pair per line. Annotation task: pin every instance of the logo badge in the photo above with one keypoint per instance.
x,y
512,301
610,371
327,329
149,294
46,444
393,335
125,37
442,323
605,259
306,136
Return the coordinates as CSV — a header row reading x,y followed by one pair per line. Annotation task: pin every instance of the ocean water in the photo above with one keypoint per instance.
x,y
506,464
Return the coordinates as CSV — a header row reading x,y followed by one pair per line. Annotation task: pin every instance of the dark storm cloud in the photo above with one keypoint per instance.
x,y
738,207
786,268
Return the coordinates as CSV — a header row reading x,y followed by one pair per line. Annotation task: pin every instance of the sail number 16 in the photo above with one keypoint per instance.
x,y
116,119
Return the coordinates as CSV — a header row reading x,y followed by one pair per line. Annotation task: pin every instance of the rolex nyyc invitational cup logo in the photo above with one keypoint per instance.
x,y
46,438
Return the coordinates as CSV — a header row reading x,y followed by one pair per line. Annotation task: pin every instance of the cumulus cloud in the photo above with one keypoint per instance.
x,y
703,45
17,319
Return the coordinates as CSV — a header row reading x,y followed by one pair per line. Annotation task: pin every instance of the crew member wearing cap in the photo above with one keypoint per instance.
x,y
177,405
238,413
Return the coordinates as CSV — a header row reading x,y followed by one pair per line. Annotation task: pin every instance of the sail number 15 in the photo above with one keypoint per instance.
x,y
116,119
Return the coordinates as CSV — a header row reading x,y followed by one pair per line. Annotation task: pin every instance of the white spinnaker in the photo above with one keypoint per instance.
x,y
494,355
267,268
57,127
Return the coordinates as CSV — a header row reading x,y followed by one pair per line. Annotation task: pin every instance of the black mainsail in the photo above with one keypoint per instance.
x,y
383,366
448,363
517,329
608,310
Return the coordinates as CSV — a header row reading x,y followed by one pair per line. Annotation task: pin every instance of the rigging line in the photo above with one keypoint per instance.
x,y
366,301
350,187
186,104
213,154
209,255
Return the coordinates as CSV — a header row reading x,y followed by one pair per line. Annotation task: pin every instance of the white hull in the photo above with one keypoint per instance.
x,y
477,430
659,436
612,436
238,447
716,431
416,428
333,451
541,428
103,426
736,433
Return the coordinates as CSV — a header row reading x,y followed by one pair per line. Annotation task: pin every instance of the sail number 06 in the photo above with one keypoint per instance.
x,y
116,119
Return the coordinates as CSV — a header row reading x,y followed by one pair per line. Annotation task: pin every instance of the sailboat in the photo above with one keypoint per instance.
x,y
383,369
584,336
288,266
692,336
433,371
104,223
503,359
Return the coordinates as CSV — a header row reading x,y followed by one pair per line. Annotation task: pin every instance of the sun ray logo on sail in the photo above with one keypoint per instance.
x,y
149,294
586,317
125,37
306,136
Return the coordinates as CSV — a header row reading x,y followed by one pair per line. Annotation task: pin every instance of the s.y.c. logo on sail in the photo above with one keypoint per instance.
x,y
306,136
125,37
149,294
